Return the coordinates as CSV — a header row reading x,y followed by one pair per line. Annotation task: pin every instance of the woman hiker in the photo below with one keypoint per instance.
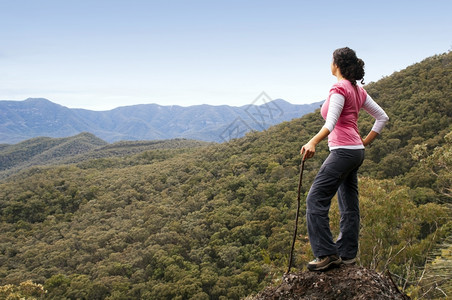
x,y
339,171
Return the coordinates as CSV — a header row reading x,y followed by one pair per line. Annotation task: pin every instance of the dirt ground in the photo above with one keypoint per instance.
x,y
344,282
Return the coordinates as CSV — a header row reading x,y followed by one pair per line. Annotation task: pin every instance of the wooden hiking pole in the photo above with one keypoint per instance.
x,y
296,217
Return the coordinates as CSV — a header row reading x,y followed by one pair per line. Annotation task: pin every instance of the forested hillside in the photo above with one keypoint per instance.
x,y
45,151
419,102
217,222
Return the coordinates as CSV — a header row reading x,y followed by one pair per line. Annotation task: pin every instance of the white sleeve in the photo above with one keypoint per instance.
x,y
334,111
377,112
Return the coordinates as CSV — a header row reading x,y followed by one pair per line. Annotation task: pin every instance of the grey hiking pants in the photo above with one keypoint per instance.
x,y
338,173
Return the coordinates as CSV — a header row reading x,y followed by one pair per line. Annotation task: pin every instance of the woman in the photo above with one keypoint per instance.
x,y
339,171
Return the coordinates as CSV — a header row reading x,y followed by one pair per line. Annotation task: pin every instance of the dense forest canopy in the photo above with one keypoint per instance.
x,y
215,221
45,151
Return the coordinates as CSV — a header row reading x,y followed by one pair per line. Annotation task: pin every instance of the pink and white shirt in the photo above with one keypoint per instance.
x,y
340,111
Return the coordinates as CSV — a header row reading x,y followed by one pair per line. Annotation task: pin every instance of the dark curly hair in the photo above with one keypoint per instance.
x,y
351,67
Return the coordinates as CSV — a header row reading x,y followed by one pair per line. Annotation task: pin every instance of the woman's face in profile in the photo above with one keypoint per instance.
x,y
333,68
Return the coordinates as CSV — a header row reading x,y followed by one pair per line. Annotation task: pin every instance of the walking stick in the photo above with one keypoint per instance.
x,y
296,217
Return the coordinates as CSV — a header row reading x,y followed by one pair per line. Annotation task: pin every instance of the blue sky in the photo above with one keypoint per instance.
x,y
101,54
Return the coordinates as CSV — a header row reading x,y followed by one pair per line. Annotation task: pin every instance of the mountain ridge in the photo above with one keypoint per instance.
x,y
33,117
46,151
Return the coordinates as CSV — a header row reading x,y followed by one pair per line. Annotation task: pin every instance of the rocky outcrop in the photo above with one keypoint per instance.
x,y
344,282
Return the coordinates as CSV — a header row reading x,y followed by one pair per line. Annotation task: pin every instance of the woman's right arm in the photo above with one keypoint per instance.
x,y
380,119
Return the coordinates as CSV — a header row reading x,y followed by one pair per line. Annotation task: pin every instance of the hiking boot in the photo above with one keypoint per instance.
x,y
348,261
324,262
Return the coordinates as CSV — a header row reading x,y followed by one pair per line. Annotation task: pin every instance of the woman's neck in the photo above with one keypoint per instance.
x,y
337,73
339,76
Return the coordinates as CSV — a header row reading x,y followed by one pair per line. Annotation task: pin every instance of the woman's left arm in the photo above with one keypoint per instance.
x,y
309,148
334,111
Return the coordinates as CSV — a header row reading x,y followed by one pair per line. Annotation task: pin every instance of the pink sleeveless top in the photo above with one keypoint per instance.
x,y
346,133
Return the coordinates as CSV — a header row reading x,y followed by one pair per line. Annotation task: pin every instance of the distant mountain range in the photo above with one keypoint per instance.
x,y
36,117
